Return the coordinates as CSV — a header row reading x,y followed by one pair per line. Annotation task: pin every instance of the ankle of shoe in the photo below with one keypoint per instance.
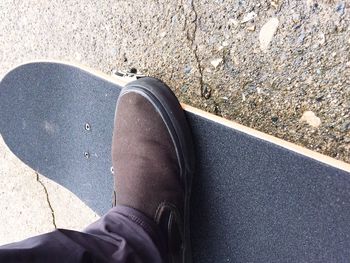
x,y
147,224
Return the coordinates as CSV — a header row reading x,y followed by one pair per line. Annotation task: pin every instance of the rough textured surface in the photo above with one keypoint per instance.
x,y
253,201
306,66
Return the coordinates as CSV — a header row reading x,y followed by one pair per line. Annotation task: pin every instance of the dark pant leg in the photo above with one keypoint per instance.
x,y
122,235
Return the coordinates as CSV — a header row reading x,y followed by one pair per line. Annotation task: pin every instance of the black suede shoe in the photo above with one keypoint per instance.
x,y
153,160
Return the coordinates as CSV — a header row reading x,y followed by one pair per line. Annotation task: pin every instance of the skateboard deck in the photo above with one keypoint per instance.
x,y
255,198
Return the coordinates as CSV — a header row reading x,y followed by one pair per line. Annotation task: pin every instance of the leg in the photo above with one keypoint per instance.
x,y
153,161
122,235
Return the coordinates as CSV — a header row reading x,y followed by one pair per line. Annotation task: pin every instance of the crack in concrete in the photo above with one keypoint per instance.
x,y
191,36
47,199
199,66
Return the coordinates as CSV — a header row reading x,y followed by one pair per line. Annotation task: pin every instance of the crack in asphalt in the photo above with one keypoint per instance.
x,y
191,36
47,199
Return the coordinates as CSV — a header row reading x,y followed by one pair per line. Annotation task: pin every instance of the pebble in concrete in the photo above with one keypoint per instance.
x,y
267,32
216,62
248,17
310,118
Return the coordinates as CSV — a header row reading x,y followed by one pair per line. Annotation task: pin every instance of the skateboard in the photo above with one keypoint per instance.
x,y
255,198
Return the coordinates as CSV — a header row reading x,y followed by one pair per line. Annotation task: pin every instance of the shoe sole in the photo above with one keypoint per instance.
x,y
169,108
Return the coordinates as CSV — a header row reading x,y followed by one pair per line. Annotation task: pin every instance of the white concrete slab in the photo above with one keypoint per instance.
x,y
31,204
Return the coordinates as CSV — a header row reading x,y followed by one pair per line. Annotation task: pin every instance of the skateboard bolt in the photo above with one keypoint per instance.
x,y
87,127
87,155
112,170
